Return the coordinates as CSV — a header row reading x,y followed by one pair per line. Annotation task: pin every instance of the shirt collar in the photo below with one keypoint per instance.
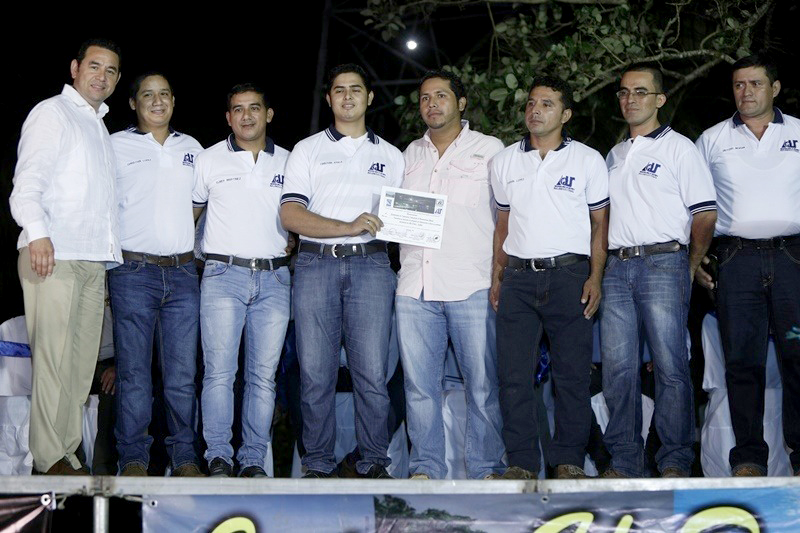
x,y
133,129
464,131
233,147
335,136
655,134
737,119
75,97
526,145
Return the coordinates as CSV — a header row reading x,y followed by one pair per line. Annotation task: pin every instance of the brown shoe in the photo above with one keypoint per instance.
x,y
188,470
493,475
748,470
570,472
64,468
672,471
613,474
516,472
134,470
420,476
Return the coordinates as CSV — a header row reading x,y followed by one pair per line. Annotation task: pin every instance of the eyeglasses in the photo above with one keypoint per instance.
x,y
637,94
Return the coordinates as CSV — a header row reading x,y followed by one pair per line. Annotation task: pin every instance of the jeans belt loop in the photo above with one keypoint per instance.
x,y
271,265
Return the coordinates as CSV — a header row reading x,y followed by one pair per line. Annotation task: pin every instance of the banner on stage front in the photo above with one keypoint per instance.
x,y
752,510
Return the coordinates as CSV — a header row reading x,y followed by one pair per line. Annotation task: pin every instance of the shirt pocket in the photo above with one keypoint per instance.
x,y
466,182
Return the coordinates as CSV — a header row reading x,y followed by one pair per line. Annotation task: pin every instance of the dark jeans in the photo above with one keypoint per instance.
x,y
530,302
759,288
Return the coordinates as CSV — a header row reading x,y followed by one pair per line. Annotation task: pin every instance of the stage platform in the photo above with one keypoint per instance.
x,y
226,505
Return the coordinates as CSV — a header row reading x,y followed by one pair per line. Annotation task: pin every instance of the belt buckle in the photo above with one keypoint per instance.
x,y
253,263
533,266
636,252
334,247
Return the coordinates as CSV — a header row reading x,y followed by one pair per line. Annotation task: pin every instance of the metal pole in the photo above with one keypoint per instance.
x,y
100,514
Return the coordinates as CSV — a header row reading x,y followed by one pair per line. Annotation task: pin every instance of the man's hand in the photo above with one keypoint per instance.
x,y
702,276
494,294
591,297
365,222
107,380
291,242
42,256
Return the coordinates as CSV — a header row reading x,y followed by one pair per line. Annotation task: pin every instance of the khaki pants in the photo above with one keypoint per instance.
x,y
64,316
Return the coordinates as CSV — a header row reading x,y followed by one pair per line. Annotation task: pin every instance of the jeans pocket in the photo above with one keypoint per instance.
x,y
579,270
190,269
282,276
304,259
380,259
128,267
725,254
214,268
611,262
668,261
793,253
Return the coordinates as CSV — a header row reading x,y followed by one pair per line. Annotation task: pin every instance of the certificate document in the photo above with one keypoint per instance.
x,y
412,217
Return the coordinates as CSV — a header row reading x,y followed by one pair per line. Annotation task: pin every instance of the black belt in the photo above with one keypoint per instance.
x,y
648,249
343,250
760,244
545,262
252,264
159,260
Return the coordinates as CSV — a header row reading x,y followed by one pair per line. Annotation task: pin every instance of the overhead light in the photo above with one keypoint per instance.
x,y
411,44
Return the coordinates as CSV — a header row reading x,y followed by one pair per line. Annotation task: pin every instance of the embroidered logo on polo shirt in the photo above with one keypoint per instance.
x,y
790,145
377,169
188,160
650,169
565,184
277,181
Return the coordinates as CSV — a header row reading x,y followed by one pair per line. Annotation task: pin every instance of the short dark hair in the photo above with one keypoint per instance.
x,y
137,83
456,84
759,59
653,69
343,69
247,88
102,43
557,84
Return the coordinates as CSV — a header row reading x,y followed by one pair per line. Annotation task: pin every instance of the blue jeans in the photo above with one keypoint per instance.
x,y
652,292
423,328
343,299
759,288
147,301
530,303
233,300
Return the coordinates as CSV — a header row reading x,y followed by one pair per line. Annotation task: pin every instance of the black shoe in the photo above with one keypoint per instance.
x,y
377,472
219,468
318,474
253,471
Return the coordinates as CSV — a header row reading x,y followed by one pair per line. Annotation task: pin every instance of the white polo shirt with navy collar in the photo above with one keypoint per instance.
x,y
656,183
154,190
243,198
549,199
757,181
339,177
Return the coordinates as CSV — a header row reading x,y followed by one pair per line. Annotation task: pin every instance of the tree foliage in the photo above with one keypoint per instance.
x,y
588,43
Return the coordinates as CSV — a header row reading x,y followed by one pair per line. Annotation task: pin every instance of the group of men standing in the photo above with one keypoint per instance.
x,y
539,237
